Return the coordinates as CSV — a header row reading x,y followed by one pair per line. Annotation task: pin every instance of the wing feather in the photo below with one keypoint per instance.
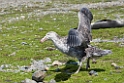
x,y
81,35
74,38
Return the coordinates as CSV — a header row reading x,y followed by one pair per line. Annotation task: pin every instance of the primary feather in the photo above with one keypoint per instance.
x,y
81,35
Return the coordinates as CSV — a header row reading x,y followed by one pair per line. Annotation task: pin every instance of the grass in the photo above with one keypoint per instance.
x,y
27,30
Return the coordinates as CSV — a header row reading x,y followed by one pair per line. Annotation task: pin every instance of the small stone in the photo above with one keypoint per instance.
x,y
39,76
7,65
22,17
1,49
47,60
39,65
52,81
56,63
25,68
12,54
50,48
113,64
54,19
92,72
24,43
40,29
28,81
2,66
121,44
105,79
95,74
117,67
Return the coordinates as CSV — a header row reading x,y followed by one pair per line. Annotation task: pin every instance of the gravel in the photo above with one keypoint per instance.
x,y
17,3
35,65
56,6
27,80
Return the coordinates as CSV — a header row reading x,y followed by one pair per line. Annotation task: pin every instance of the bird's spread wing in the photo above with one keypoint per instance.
x,y
81,35
74,38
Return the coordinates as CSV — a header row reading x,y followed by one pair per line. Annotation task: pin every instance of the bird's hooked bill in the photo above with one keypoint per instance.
x,y
43,39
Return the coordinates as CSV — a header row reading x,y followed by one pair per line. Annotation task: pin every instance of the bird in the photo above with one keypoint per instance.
x,y
78,52
77,42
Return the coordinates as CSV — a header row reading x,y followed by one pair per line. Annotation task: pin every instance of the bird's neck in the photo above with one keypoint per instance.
x,y
60,45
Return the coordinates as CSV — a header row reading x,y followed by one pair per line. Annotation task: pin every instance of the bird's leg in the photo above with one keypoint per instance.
x,y
88,63
80,64
88,52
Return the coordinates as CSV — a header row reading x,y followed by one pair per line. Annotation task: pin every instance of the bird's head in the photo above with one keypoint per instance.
x,y
50,35
87,13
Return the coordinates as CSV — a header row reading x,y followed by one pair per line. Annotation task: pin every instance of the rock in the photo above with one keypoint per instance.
x,y
2,66
105,79
95,74
47,60
22,17
40,29
12,54
57,63
39,65
24,68
52,81
28,81
39,76
50,48
115,65
121,44
92,72
24,43
5,66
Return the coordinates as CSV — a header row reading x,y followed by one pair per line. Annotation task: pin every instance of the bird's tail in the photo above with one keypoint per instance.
x,y
93,51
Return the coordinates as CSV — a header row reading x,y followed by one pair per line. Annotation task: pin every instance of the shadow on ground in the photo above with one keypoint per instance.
x,y
69,69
